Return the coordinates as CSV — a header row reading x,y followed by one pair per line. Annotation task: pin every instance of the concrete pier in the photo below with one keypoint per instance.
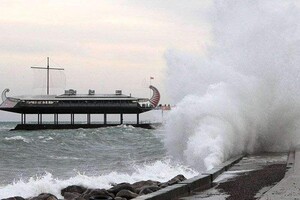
x,y
242,177
289,186
249,179
189,186
73,124
76,126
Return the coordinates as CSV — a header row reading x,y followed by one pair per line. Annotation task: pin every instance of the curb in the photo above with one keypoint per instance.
x,y
296,166
215,172
197,183
167,193
290,163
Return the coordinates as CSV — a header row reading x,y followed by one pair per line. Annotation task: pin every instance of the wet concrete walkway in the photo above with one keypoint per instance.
x,y
251,178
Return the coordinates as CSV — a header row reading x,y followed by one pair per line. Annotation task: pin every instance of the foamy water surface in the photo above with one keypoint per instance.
x,y
33,162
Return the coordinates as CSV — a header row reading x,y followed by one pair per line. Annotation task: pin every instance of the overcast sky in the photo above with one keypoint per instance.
x,y
103,45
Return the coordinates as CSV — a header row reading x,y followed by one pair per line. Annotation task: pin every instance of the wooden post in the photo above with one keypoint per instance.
x,y
72,118
40,118
55,119
121,118
138,118
88,118
105,118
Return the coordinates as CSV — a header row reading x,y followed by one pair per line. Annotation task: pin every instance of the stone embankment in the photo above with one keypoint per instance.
x,y
122,191
175,188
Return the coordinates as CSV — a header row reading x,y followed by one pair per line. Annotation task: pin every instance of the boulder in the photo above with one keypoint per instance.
x,y
14,198
127,194
148,189
163,185
70,195
44,196
139,185
122,186
176,179
120,198
99,193
101,197
73,189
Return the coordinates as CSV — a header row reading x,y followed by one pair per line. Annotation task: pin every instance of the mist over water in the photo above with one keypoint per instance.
x,y
243,95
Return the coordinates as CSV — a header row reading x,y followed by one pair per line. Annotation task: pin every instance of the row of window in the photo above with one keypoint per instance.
x,y
78,102
41,102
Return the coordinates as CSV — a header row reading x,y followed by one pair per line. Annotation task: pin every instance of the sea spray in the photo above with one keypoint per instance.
x,y
243,95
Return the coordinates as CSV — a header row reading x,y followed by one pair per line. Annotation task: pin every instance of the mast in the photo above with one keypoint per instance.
x,y
48,73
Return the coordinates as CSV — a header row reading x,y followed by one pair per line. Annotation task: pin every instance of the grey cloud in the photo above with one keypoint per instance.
x,y
29,38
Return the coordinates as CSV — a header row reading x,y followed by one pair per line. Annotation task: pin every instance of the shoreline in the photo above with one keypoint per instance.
x,y
121,191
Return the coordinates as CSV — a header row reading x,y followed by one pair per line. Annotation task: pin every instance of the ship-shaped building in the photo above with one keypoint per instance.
x,y
72,103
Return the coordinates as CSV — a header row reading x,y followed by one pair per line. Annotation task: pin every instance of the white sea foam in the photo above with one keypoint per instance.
x,y
243,95
160,171
18,137
63,158
45,139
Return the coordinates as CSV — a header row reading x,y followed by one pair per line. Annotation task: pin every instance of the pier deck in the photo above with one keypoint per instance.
x,y
249,179
260,176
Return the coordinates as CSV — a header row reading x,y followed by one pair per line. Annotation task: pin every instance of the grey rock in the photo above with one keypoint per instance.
x,y
139,185
14,198
126,194
148,189
73,189
120,198
99,193
122,186
176,179
70,195
44,196
163,185
101,197
145,191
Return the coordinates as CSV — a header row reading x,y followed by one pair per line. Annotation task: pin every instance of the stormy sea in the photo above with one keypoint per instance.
x,y
33,162
241,94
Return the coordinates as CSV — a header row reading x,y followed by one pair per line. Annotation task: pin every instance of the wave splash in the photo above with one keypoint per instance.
x,y
159,171
243,95
17,138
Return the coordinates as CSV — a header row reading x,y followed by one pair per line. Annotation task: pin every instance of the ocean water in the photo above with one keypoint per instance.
x,y
33,162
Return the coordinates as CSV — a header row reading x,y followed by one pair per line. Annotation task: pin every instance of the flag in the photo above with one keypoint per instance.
x,y
151,77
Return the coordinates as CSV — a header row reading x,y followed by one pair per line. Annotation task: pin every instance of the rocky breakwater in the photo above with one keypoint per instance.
x,y
122,191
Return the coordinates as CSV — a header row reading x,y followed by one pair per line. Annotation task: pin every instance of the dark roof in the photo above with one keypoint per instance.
x,y
77,97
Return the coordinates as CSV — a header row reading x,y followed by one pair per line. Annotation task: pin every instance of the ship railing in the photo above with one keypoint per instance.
x,y
129,122
95,122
